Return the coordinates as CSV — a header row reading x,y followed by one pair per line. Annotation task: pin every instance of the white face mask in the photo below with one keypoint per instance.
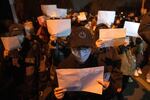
x,y
82,54
20,38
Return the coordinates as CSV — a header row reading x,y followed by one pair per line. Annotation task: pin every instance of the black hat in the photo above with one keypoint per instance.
x,y
81,37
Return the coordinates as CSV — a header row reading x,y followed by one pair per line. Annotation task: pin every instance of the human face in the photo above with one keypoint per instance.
x,y
82,54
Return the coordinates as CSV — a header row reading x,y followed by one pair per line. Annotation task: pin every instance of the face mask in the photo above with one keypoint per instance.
x,y
20,38
81,54
127,41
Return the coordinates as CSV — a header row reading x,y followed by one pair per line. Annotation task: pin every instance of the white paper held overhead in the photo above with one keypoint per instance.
x,y
132,28
49,10
106,17
59,27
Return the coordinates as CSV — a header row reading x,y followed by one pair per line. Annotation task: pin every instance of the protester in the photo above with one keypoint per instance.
x,y
82,56
108,52
10,57
144,32
42,32
29,61
139,53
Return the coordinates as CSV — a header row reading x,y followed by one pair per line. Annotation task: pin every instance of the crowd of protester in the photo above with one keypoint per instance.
x,y
26,72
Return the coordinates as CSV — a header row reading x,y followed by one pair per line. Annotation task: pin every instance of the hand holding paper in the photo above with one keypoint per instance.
x,y
59,92
6,52
99,43
42,20
84,79
105,84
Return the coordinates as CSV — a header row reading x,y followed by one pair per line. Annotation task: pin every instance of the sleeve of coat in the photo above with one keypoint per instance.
x,y
144,28
116,74
116,78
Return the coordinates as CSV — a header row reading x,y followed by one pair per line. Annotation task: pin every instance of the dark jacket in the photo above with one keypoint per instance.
x,y
144,29
110,58
92,61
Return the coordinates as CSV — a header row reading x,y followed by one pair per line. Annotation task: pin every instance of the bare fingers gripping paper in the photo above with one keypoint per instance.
x,y
84,79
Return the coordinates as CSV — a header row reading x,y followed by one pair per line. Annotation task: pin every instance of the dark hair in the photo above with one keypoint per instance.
x,y
99,26
138,41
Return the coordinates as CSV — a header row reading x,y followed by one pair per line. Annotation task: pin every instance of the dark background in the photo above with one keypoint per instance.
x,y
30,9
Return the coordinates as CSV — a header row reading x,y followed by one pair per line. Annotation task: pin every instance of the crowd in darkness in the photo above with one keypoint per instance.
x,y
27,71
